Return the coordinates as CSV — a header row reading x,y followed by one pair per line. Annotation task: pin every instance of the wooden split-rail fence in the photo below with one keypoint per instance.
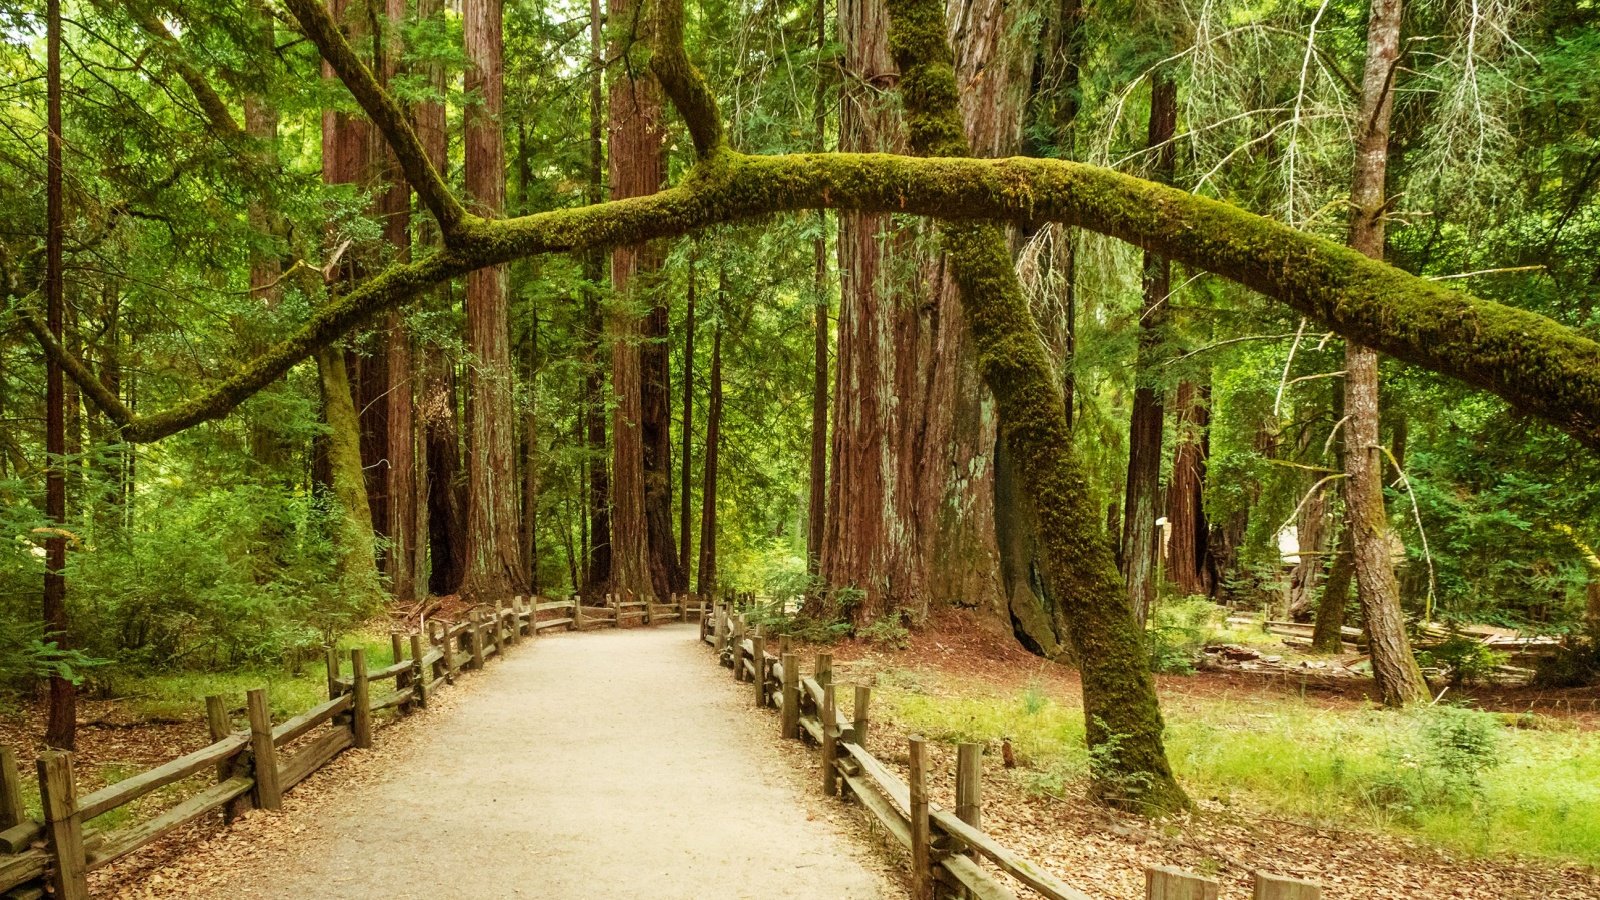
x,y
945,846
253,766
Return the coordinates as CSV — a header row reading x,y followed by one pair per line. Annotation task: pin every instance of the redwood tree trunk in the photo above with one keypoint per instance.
x,y
685,454
1188,551
1399,680
817,505
1140,537
707,569
400,443
597,561
636,136
494,558
439,489
61,729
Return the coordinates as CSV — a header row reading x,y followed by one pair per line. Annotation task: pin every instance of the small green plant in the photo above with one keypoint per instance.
x,y
1576,663
1439,765
1463,660
888,631
1178,630
1111,778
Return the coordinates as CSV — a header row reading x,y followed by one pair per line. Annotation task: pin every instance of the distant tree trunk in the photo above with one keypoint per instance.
x,y
1399,680
400,443
597,577
494,558
1188,554
442,512
817,505
684,526
666,575
1140,538
1311,533
708,486
61,728
635,160
531,467
1328,635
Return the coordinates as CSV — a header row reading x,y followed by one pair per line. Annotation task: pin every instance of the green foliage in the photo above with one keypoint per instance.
x,y
1437,765
887,631
1576,663
1177,631
1464,660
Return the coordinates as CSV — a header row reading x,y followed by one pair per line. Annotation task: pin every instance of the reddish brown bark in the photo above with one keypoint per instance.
x,y
436,416
666,573
1188,550
1140,536
494,558
817,505
597,556
685,532
61,728
635,153
1395,670
707,570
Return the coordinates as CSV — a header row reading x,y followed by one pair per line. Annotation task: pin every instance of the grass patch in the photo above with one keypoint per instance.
x,y
1453,777
181,697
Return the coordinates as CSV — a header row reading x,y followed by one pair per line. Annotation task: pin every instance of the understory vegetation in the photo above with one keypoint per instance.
x,y
1467,780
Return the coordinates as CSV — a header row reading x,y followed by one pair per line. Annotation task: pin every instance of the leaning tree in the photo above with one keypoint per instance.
x,y
1534,363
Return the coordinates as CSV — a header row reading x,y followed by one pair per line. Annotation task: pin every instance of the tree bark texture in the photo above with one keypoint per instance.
x,y
1189,563
494,558
356,569
634,151
1328,636
61,727
1395,669
1141,546
817,498
685,452
707,570
597,561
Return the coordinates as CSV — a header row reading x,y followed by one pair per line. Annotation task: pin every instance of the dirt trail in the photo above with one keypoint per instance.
x,y
609,764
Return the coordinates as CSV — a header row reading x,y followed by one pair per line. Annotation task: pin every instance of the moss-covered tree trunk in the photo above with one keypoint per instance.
x,y
707,570
1122,716
1393,666
355,567
1327,636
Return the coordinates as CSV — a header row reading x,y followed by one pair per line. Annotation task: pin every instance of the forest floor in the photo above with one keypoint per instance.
x,y
1293,776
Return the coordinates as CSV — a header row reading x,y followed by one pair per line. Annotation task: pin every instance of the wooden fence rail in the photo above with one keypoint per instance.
x,y
251,765
945,846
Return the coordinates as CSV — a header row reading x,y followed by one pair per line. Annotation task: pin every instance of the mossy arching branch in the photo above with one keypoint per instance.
x,y
1534,363
384,112
684,84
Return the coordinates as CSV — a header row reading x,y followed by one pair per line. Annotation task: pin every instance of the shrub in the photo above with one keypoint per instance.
x,y
1576,663
1463,660
1177,631
1439,764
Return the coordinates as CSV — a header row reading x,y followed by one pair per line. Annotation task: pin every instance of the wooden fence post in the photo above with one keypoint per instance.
x,y
397,653
499,618
738,648
830,742
58,794
220,725
475,637
969,783
759,656
1167,883
824,668
858,729
790,721
11,809
577,613
447,646
263,752
785,643
419,673
360,699
332,661
1278,887
921,851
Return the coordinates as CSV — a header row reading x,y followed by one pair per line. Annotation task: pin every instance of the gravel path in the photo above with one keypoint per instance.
x,y
607,764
